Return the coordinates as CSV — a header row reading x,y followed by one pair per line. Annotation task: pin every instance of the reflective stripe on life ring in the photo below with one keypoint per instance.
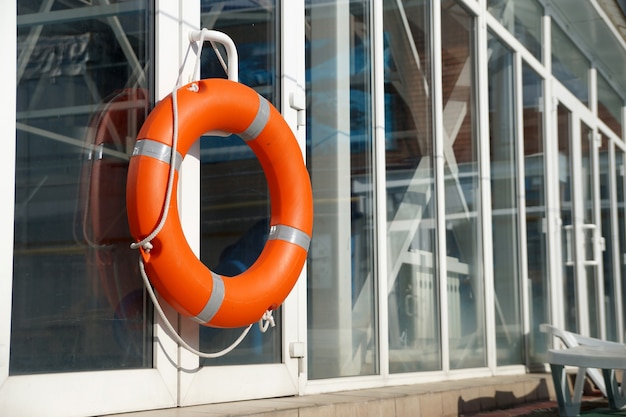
x,y
177,274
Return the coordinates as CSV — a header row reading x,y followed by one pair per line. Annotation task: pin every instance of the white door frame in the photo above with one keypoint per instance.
x,y
78,393
175,379
581,114
209,384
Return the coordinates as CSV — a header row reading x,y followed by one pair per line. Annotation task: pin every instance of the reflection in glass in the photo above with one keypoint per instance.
x,y
610,105
536,245
607,233
465,284
235,206
78,300
567,232
569,65
342,336
504,204
414,334
523,19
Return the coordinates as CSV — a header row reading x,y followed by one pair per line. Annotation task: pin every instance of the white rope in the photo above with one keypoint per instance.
x,y
267,320
198,56
219,57
146,243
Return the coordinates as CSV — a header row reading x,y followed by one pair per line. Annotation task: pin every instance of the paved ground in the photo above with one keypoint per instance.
x,y
592,407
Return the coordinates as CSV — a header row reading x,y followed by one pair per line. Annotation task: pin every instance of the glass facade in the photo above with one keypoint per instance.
x,y
83,88
504,204
342,330
523,19
610,105
466,189
608,261
536,217
569,64
465,279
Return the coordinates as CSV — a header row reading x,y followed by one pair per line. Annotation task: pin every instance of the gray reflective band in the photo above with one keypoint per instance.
x,y
157,150
214,303
291,235
259,122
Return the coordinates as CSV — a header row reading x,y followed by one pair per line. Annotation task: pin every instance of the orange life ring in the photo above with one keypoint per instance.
x,y
174,270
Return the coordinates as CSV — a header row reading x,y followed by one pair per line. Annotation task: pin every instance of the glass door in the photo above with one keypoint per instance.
x,y
76,326
234,212
581,240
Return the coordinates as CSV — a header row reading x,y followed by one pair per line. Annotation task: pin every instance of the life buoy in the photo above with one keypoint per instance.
x,y
174,270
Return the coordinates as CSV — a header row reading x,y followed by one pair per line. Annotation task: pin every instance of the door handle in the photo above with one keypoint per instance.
x,y
569,261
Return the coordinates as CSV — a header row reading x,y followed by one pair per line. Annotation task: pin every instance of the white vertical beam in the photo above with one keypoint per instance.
x,y
597,214
616,266
173,21
578,219
439,163
521,204
482,110
8,33
293,102
551,166
380,188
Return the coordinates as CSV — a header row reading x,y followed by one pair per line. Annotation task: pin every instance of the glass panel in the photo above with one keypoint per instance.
x,y
504,204
465,283
590,232
567,232
621,220
235,206
535,192
523,19
414,334
592,295
342,332
569,65
609,105
608,260
78,300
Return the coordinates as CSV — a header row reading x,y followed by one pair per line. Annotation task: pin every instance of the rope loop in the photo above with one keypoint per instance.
x,y
266,321
170,329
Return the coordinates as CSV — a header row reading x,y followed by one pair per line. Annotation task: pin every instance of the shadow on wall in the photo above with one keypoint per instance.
x,y
502,399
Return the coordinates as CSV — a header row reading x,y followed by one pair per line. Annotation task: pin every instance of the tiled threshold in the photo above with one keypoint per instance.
x,y
449,398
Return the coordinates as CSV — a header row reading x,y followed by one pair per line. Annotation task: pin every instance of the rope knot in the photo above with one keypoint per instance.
x,y
146,246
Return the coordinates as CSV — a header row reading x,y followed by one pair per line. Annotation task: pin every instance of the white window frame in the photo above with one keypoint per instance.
x,y
92,393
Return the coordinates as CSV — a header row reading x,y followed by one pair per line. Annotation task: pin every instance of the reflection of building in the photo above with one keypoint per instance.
x,y
467,163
